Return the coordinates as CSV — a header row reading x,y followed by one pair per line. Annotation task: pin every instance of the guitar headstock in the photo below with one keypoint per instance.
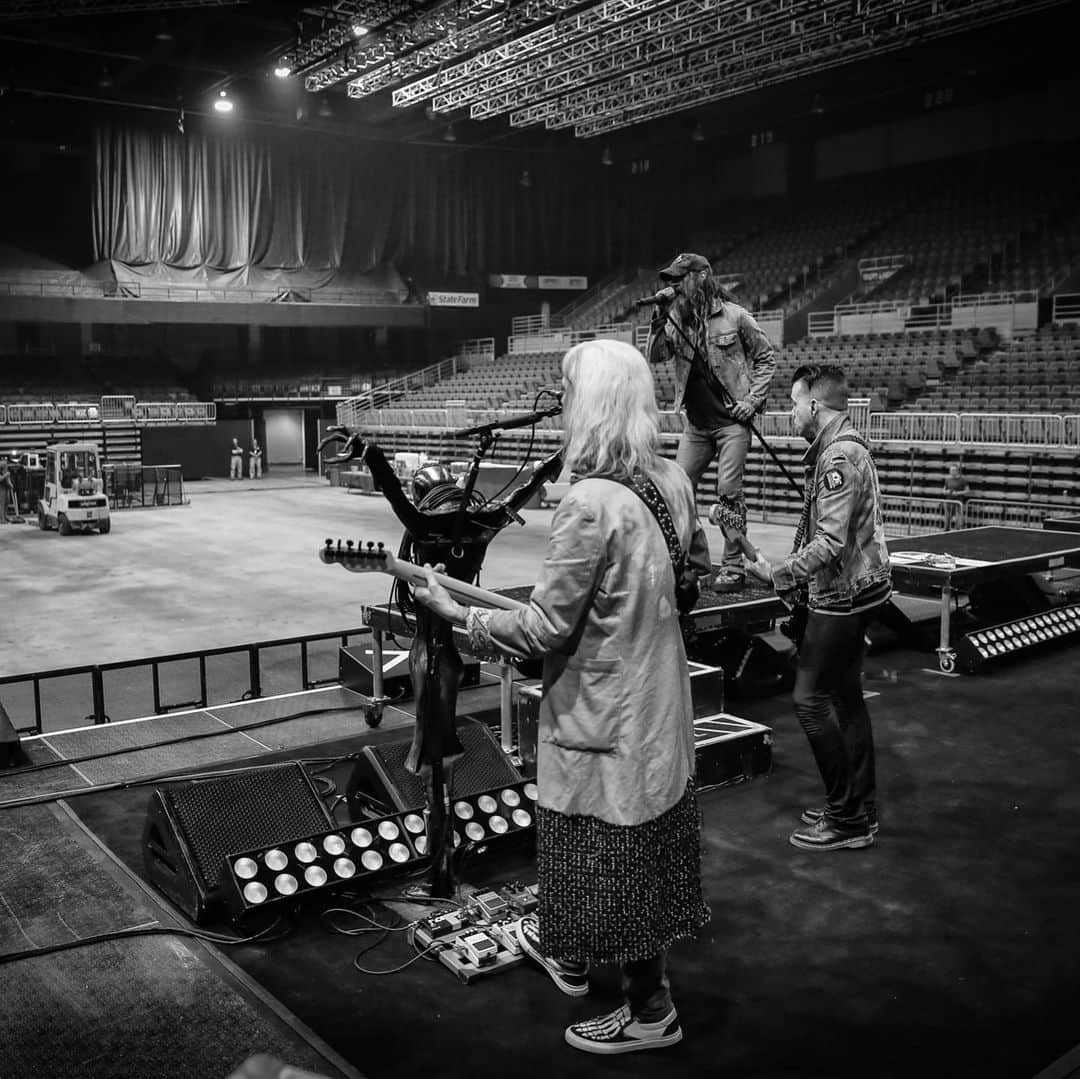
x,y
370,557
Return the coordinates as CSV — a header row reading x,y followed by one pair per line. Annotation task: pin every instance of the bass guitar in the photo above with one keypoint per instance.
x,y
372,557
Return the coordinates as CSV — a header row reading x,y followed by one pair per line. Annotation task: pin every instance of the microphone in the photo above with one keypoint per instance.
x,y
665,295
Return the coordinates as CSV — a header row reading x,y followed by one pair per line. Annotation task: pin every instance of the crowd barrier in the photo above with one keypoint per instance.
x,y
968,428
905,516
140,486
108,410
1006,312
982,511
561,340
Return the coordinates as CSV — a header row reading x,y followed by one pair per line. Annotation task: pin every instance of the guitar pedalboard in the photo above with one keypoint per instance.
x,y
480,938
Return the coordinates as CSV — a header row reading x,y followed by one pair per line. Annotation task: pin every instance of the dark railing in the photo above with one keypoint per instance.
x,y
249,685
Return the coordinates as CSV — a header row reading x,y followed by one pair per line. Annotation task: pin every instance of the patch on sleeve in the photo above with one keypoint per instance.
x,y
833,480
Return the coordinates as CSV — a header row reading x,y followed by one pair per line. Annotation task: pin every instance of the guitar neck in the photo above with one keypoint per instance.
x,y
462,591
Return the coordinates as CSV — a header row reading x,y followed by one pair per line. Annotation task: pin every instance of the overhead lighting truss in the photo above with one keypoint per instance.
x,y
597,67
25,9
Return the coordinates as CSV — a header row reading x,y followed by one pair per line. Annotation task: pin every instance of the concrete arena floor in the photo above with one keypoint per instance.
x,y
239,564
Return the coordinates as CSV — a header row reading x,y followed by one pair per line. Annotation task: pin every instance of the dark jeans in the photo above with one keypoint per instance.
x,y
646,987
830,708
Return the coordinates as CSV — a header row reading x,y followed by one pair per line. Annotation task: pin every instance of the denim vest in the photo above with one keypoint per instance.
x,y
845,552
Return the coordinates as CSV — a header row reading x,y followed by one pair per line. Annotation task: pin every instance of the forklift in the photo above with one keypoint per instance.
x,y
74,496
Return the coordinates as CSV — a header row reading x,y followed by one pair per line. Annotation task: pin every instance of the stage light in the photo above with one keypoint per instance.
x,y
359,30
282,71
698,134
105,79
606,158
526,179
223,104
163,32
295,869
326,110
450,135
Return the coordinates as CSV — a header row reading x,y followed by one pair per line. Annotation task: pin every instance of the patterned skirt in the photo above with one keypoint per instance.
x,y
614,893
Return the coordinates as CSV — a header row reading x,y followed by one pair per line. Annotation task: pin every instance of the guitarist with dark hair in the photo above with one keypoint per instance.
x,y
841,561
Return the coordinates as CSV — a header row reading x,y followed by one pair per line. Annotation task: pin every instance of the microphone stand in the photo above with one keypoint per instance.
x,y
729,401
489,433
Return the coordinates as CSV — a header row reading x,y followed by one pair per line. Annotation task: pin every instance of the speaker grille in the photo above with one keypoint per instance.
x,y
266,805
484,765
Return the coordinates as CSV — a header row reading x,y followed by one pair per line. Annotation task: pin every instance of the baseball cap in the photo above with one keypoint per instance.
x,y
683,264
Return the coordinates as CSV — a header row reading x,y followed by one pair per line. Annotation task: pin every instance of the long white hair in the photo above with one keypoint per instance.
x,y
610,423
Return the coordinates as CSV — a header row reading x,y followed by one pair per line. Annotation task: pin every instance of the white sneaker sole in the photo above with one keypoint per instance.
x,y
632,1045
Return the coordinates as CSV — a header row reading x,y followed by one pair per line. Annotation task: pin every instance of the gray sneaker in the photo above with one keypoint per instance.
x,y
812,816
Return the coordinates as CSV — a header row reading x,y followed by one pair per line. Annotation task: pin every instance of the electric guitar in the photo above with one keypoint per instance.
x,y
375,558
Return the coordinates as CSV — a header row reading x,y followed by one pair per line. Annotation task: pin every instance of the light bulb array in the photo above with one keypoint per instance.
x,y
364,849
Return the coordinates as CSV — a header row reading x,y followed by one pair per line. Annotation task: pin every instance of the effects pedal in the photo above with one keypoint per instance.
x,y
489,905
506,934
478,948
522,899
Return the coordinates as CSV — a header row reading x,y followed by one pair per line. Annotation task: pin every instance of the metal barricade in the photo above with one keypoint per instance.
x,y
3,414
119,408
985,511
1011,428
29,415
1070,430
914,426
906,516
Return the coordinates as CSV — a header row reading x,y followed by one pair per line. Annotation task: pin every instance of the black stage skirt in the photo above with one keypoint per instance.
x,y
613,893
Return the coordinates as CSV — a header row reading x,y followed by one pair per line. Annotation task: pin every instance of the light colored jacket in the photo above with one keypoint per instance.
x,y
845,552
616,719
739,353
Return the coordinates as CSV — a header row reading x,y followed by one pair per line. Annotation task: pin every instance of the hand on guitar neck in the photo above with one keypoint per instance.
x,y
372,557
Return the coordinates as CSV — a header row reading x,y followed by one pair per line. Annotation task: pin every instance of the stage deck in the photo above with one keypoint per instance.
x,y
944,563
1062,524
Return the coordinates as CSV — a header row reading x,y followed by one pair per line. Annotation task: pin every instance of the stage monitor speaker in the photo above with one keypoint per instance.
x,y
190,828
380,779
356,662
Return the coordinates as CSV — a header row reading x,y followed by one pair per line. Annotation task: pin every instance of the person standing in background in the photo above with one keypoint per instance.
x,y
236,461
255,460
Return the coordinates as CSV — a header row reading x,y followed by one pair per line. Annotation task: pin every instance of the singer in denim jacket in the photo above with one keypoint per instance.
x,y
741,359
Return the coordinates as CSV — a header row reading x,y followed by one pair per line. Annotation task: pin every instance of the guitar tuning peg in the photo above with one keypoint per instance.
x,y
380,547
370,545
349,545
329,543
339,546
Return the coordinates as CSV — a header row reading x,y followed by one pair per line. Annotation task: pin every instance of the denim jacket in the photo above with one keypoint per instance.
x,y
740,354
845,552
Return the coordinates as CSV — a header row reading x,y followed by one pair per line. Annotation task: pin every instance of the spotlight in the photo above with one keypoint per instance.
x,y
359,30
606,158
282,71
326,110
817,105
526,179
450,135
223,104
105,79
163,32
698,134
